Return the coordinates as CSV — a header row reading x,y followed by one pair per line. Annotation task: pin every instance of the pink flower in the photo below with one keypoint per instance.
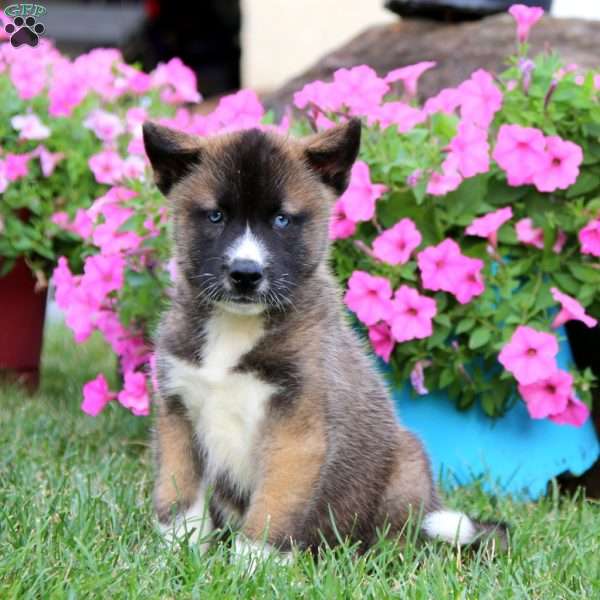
x,y
447,101
3,178
409,76
382,341
570,310
360,87
576,413
105,125
468,282
30,127
103,274
417,377
321,94
28,77
488,225
48,160
561,167
107,166
471,149
64,281
135,117
526,17
436,264
480,99
448,180
179,82
412,315
360,197
134,394
547,396
81,313
240,110
340,226
96,396
521,152
395,245
369,296
134,167
589,238
528,234
401,114
16,166
82,224
529,355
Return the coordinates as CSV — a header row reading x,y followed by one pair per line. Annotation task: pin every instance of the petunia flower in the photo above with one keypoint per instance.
x,y
471,149
576,413
561,166
417,377
589,238
96,395
412,315
468,282
480,99
107,166
409,76
30,127
526,17
547,396
369,296
530,355
382,341
340,226
570,310
521,152
488,225
360,197
394,246
134,394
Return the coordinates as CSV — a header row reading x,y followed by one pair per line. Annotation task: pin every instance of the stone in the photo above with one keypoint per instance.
x,y
458,49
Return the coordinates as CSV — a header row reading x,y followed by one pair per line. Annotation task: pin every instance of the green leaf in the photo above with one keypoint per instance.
x,y
479,337
465,325
586,182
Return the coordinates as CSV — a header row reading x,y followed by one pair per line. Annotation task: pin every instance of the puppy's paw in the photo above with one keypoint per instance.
x,y
250,554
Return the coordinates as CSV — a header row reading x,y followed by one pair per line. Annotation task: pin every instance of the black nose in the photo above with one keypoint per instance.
x,y
245,274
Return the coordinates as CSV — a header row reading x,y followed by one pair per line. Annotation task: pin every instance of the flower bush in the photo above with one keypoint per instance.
x,y
61,122
469,233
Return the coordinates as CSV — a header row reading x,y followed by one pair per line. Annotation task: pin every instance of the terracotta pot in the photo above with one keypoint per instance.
x,y
22,314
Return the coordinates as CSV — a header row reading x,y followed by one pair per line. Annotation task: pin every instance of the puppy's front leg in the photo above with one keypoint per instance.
x,y
291,461
179,494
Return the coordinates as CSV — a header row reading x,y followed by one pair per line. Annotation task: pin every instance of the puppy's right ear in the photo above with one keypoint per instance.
x,y
172,154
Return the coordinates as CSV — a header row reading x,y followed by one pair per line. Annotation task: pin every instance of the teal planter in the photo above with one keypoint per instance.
x,y
514,455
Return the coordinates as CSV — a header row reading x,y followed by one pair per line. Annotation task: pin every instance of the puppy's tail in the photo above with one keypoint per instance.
x,y
457,528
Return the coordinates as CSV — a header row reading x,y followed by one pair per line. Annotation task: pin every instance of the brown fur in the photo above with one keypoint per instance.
x,y
330,444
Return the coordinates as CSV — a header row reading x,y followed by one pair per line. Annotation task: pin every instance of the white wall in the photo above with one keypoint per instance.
x,y
586,9
281,38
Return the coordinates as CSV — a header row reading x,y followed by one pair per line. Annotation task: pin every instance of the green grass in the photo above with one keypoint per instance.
x,y
76,521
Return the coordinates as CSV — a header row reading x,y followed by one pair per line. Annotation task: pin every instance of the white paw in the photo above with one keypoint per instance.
x,y
251,554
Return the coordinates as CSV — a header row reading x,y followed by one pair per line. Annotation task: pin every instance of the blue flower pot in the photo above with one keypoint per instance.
x,y
513,455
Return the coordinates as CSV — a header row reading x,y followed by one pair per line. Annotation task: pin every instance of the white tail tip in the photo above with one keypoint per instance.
x,y
449,526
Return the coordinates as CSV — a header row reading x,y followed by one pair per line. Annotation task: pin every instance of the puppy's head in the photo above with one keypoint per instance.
x,y
251,209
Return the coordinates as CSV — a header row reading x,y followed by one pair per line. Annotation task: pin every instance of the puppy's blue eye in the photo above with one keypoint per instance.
x,y
281,222
215,216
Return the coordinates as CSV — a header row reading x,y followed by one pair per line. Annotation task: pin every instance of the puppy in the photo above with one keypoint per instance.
x,y
272,418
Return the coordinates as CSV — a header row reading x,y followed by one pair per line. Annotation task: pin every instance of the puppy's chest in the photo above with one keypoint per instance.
x,y
227,407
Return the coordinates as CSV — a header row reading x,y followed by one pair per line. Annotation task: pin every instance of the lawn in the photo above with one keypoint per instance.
x,y
76,520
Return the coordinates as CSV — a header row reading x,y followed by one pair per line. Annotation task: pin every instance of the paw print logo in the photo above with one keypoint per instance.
x,y
24,31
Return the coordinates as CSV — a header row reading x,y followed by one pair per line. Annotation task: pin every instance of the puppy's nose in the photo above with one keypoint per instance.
x,y
245,274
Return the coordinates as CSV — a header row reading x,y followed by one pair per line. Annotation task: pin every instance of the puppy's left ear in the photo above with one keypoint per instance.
x,y
172,154
332,153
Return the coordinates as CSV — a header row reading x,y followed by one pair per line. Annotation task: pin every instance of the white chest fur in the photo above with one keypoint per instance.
x,y
227,407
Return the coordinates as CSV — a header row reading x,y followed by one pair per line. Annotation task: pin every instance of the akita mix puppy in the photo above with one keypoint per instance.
x,y
272,418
